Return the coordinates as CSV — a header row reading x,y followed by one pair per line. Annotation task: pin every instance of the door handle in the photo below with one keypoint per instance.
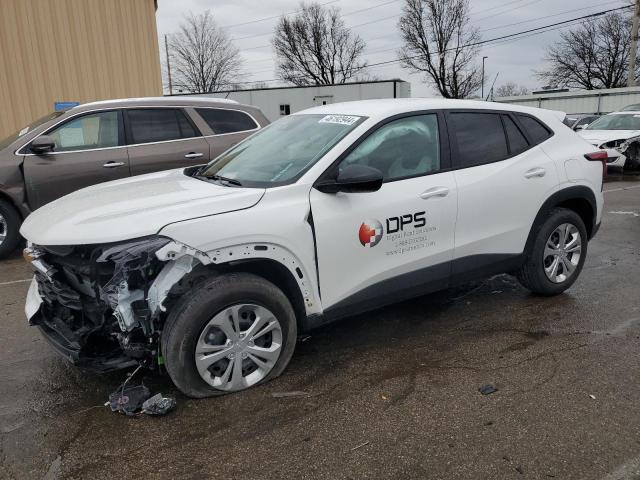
x,y
113,164
193,155
535,172
434,192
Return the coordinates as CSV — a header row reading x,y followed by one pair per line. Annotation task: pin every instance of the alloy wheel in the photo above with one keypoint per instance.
x,y
562,253
238,347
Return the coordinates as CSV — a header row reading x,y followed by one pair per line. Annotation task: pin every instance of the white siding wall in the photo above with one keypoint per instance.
x,y
585,101
269,100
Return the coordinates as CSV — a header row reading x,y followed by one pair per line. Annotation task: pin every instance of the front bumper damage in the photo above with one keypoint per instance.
x,y
102,307
622,153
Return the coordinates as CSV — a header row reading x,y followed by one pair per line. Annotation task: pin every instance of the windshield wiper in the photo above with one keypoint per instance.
x,y
220,178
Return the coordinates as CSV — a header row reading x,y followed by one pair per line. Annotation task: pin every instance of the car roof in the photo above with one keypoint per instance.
x,y
383,108
179,100
625,112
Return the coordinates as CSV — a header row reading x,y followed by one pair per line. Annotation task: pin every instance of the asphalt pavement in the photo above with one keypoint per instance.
x,y
389,394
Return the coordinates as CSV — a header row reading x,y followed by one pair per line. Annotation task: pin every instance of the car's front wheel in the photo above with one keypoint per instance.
x,y
9,229
235,331
557,255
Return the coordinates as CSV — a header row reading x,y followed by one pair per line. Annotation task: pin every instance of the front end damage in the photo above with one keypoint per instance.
x,y
102,306
624,153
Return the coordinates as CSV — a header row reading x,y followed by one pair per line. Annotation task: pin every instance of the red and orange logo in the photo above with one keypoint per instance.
x,y
370,233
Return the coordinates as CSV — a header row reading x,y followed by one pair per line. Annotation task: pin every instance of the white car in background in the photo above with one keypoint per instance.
x,y
617,133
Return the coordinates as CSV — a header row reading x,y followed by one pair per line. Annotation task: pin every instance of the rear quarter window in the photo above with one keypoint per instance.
x,y
536,131
227,121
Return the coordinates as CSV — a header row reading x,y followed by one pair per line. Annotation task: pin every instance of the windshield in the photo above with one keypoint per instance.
x,y
280,153
616,122
4,143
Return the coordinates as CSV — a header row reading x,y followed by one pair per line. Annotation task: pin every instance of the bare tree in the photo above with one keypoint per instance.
x,y
203,59
439,42
316,48
594,55
511,89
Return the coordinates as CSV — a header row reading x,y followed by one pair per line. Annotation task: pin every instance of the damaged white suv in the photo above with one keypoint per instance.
x,y
618,134
212,272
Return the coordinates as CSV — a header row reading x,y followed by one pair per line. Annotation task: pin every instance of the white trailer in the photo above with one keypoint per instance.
x,y
579,101
278,101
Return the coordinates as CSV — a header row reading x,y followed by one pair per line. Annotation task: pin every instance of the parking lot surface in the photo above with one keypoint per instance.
x,y
388,394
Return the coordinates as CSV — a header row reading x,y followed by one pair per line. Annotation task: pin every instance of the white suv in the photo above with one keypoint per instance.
x,y
214,271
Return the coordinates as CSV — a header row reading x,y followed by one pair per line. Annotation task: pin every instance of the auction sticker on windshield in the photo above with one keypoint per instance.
x,y
340,119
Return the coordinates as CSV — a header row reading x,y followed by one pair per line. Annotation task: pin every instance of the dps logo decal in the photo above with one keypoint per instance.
x,y
370,233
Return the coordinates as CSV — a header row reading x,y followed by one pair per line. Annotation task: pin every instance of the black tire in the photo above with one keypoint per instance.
x,y
532,275
189,316
13,222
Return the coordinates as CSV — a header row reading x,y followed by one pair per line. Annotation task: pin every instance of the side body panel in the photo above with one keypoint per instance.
x,y
51,176
277,228
155,157
415,239
220,143
497,203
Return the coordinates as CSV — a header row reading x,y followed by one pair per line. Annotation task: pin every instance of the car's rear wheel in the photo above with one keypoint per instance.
x,y
235,331
9,228
558,254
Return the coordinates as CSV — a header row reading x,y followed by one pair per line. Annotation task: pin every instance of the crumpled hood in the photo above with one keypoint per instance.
x,y
601,136
131,208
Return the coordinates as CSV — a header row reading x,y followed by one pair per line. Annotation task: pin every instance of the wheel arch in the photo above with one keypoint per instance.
x,y
269,261
578,198
12,201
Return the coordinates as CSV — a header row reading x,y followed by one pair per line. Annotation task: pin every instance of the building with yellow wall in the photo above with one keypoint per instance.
x,y
74,51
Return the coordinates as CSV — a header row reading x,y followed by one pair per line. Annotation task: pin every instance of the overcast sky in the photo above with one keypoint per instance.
x,y
512,60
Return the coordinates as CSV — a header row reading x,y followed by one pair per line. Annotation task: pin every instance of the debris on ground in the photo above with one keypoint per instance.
x,y
134,400
487,389
592,397
128,399
304,338
289,394
158,405
360,446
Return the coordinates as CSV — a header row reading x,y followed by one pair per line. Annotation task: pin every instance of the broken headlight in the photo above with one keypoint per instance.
x,y
613,143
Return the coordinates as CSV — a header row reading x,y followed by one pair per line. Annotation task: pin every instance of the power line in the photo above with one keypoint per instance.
x,y
370,8
542,29
497,7
343,15
272,17
508,25
506,11
548,16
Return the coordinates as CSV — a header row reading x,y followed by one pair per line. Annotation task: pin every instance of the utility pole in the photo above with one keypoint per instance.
x,y
166,50
631,81
482,89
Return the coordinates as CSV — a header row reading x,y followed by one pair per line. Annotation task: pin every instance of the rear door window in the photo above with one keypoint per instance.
x,y
536,131
479,137
227,121
149,125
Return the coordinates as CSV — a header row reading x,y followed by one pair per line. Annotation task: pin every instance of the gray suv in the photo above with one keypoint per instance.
x,y
108,140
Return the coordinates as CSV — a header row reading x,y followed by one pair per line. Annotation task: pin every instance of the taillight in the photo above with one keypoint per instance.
x,y
600,156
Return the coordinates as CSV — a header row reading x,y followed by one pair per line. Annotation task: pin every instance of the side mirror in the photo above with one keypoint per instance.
x,y
581,127
42,144
353,179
